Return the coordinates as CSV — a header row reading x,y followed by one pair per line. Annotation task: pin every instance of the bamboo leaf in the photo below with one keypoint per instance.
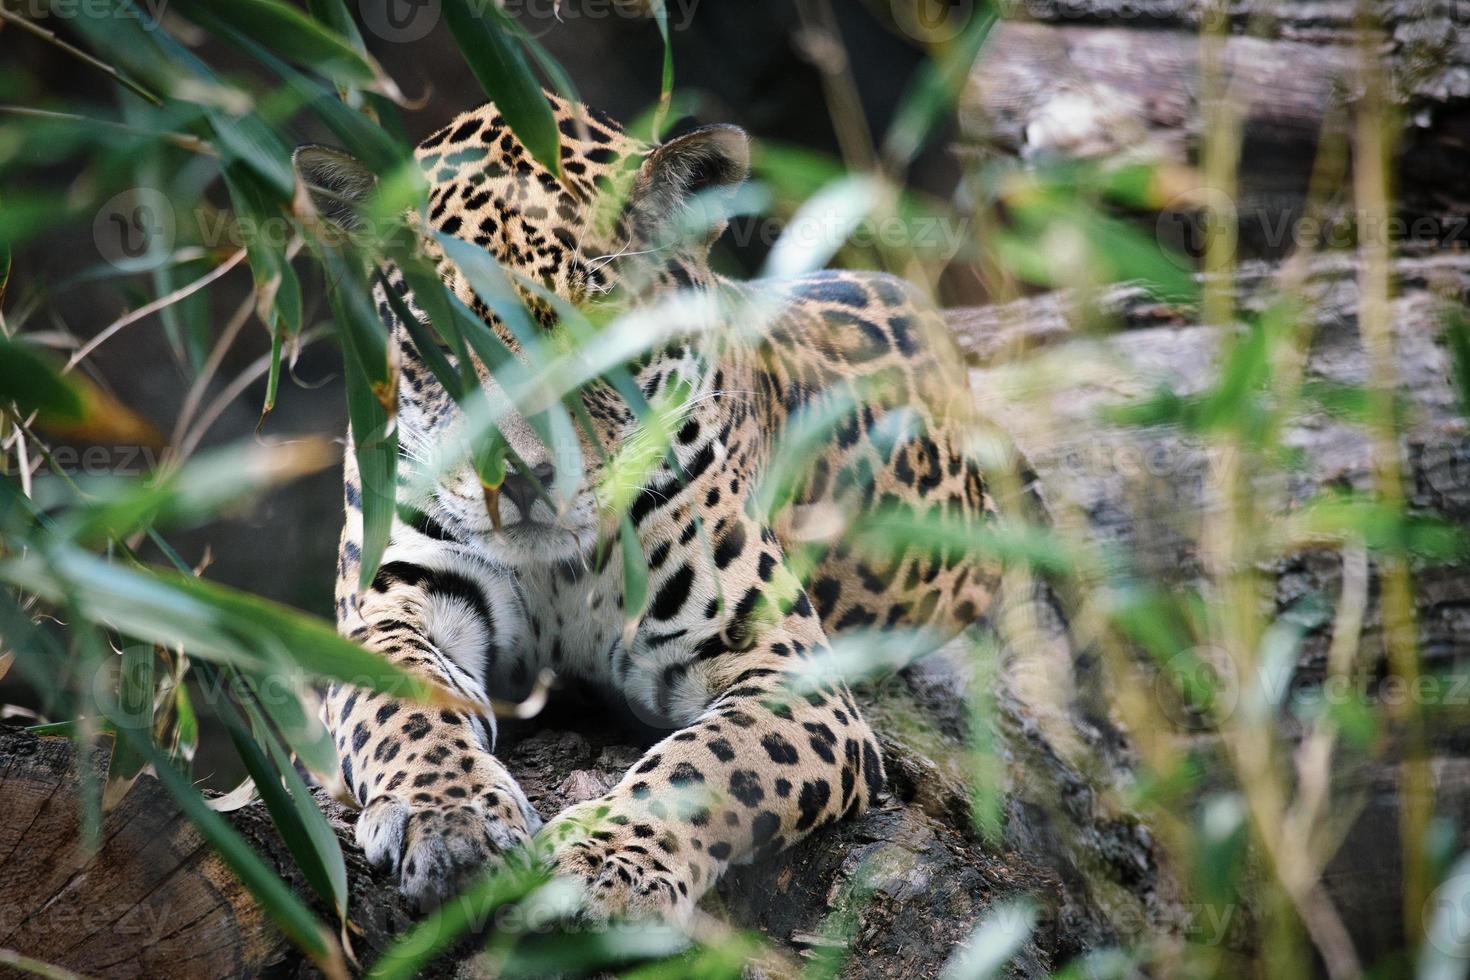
x,y
488,40
371,405
29,381
415,949
199,490
290,33
208,620
293,810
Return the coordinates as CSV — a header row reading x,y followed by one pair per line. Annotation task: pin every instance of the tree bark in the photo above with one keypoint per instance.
x,y
1088,82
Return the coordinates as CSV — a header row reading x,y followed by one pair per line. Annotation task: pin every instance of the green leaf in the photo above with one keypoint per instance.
x,y
208,620
198,491
635,571
821,225
33,385
134,708
371,404
335,15
247,141
554,954
1457,338
935,88
490,44
494,287
660,12
293,809
4,268
277,291
286,697
290,33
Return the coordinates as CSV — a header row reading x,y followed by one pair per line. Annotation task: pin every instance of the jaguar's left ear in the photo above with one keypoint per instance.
x,y
705,166
337,182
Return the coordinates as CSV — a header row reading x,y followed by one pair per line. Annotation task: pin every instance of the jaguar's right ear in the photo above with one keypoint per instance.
x,y
337,182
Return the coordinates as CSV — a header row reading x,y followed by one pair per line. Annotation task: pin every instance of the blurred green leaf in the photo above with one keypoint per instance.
x,y
660,13
935,87
290,33
134,708
371,404
198,491
335,15
894,531
635,572
1457,338
490,43
619,944
1056,237
208,620
34,386
1379,525
293,809
821,225
286,697
265,231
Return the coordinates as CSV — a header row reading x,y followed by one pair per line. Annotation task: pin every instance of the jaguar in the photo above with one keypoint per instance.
x,y
838,386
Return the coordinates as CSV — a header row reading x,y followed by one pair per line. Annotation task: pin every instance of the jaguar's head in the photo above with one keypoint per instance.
x,y
624,224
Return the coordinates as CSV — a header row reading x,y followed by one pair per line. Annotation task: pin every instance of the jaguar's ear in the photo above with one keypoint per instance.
x,y
705,165
336,181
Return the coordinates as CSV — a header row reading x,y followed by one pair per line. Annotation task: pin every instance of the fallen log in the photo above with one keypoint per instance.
x,y
1090,83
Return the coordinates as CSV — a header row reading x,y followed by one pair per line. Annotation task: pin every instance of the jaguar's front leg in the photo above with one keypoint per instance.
x,y
436,804
771,756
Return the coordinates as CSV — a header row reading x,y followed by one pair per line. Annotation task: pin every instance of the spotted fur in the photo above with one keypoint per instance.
x,y
739,602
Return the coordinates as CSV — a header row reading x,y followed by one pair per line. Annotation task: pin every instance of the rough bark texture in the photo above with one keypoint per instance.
x,y
1099,78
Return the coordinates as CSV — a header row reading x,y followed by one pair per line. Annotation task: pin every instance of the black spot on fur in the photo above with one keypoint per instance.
x,y
745,786
779,749
812,799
